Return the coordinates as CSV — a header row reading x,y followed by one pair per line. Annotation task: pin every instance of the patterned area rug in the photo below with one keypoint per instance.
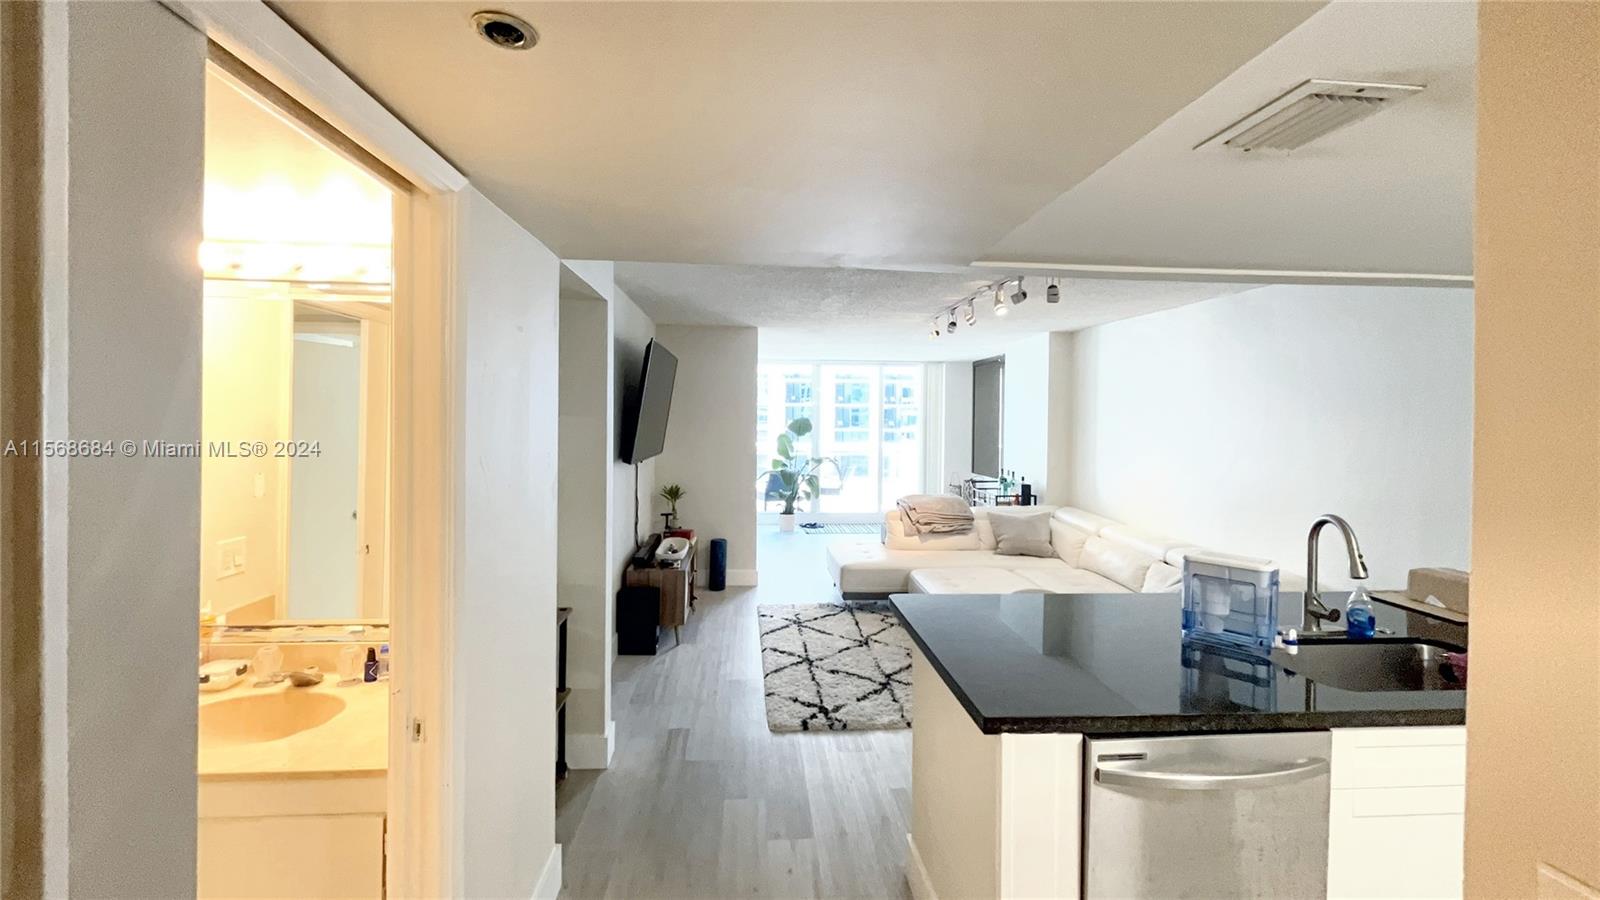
x,y
830,667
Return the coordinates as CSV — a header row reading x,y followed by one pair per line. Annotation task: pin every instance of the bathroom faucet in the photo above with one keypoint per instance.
x,y
1316,611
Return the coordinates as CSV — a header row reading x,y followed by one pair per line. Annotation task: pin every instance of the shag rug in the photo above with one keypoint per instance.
x,y
830,667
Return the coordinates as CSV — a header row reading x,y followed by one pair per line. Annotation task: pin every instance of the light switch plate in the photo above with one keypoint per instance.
x,y
230,557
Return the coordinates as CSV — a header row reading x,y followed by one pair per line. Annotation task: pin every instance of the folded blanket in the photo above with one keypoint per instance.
x,y
935,514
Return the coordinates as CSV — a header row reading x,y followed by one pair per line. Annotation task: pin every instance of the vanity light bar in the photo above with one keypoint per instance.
x,y
356,264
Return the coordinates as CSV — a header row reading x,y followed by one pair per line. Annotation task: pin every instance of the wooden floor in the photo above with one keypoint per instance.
x,y
701,800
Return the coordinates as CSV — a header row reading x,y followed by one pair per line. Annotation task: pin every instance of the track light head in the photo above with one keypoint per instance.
x,y
1020,294
1000,307
969,313
1052,292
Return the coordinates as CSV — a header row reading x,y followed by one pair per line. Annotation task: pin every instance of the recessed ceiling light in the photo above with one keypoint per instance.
x,y
505,30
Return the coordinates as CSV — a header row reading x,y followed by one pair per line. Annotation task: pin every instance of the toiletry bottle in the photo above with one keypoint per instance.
x,y
1358,615
370,673
383,663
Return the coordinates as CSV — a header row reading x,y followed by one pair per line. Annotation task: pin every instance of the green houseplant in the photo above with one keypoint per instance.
x,y
671,493
797,472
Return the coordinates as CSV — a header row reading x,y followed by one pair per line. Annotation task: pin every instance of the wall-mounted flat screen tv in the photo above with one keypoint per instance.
x,y
644,421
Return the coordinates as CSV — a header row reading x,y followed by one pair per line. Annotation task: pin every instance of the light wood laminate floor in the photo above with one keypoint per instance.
x,y
701,800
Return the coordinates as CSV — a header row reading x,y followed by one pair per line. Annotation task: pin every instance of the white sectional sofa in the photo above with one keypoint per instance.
x,y
1093,555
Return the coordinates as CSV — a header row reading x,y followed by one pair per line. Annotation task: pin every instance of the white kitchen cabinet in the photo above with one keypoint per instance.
x,y
1397,812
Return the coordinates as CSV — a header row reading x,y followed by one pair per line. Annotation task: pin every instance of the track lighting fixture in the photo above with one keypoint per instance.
x,y
946,320
1052,291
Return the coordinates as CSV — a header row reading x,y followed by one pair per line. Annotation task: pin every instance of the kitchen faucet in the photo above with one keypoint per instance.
x,y
1316,611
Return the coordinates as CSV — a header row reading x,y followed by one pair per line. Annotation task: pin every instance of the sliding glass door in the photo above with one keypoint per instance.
x,y
866,417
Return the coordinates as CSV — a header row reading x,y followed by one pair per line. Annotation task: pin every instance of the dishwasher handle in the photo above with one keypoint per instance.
x,y
1210,781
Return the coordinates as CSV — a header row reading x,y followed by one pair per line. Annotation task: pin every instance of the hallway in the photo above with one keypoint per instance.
x,y
701,800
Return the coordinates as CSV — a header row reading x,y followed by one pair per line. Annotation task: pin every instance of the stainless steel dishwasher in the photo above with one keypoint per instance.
x,y
1238,815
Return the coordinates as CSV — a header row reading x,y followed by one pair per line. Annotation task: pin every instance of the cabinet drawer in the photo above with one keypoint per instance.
x,y
1399,757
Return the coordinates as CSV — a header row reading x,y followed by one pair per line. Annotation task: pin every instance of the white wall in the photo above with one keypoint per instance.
x,y
709,440
123,107
1024,438
247,362
584,577
949,422
505,551
631,332
1235,422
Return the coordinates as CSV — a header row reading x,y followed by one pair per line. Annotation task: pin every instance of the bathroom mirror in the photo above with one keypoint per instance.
x,y
295,473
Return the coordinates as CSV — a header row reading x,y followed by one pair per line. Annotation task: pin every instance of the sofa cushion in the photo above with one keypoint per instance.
x,y
1067,539
1083,520
1022,533
969,581
1161,579
1145,544
868,567
1116,561
1072,581
1176,555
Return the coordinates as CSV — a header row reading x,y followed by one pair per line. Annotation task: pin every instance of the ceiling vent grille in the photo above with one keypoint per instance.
x,y
1306,112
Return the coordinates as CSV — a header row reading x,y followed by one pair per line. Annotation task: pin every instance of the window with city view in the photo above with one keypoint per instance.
x,y
865,416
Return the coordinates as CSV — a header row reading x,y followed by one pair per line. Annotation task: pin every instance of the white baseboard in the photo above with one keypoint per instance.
x,y
735,578
549,886
591,751
917,873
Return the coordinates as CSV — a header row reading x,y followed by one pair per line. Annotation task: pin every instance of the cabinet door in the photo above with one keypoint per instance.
x,y
1397,812
291,856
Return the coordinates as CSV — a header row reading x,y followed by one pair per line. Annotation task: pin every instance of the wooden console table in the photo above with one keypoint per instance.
x,y
676,585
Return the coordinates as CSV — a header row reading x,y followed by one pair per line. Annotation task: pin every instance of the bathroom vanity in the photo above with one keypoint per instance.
x,y
292,792
1080,746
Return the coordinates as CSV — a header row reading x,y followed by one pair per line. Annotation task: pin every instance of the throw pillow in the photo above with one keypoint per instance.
x,y
1021,534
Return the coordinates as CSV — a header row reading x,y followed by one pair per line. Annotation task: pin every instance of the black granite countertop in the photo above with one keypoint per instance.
x,y
1119,664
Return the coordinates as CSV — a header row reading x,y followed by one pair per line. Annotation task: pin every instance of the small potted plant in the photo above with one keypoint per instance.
x,y
671,493
796,472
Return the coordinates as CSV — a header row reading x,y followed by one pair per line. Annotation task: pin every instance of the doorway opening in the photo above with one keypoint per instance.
x,y
297,410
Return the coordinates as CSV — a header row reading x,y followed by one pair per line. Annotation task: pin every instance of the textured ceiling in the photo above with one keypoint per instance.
x,y
863,134
1390,194
833,313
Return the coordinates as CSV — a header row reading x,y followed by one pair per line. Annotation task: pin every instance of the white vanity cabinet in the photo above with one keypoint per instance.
x,y
1397,812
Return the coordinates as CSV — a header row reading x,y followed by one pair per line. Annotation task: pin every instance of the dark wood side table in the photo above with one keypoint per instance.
x,y
676,585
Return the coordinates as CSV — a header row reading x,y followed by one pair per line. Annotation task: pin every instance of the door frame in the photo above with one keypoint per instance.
x,y
261,47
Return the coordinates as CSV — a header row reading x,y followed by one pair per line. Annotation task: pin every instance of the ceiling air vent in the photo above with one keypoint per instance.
x,y
1306,112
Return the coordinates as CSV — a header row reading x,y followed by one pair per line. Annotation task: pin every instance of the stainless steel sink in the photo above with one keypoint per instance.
x,y
1380,664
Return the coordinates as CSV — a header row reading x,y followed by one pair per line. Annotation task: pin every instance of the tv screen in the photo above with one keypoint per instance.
x,y
645,421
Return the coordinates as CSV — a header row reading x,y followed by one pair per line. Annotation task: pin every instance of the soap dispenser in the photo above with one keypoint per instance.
x,y
1360,621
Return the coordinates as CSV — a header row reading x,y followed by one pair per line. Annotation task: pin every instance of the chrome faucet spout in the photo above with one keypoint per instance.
x,y
1315,610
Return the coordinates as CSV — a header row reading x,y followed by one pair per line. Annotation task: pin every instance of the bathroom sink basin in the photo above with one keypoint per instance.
x,y
255,718
1381,664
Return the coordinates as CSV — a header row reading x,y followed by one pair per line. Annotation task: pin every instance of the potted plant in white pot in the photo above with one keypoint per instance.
x,y
796,472
672,493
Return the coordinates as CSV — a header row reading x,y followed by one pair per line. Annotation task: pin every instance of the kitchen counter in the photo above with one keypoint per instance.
x,y
1099,664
